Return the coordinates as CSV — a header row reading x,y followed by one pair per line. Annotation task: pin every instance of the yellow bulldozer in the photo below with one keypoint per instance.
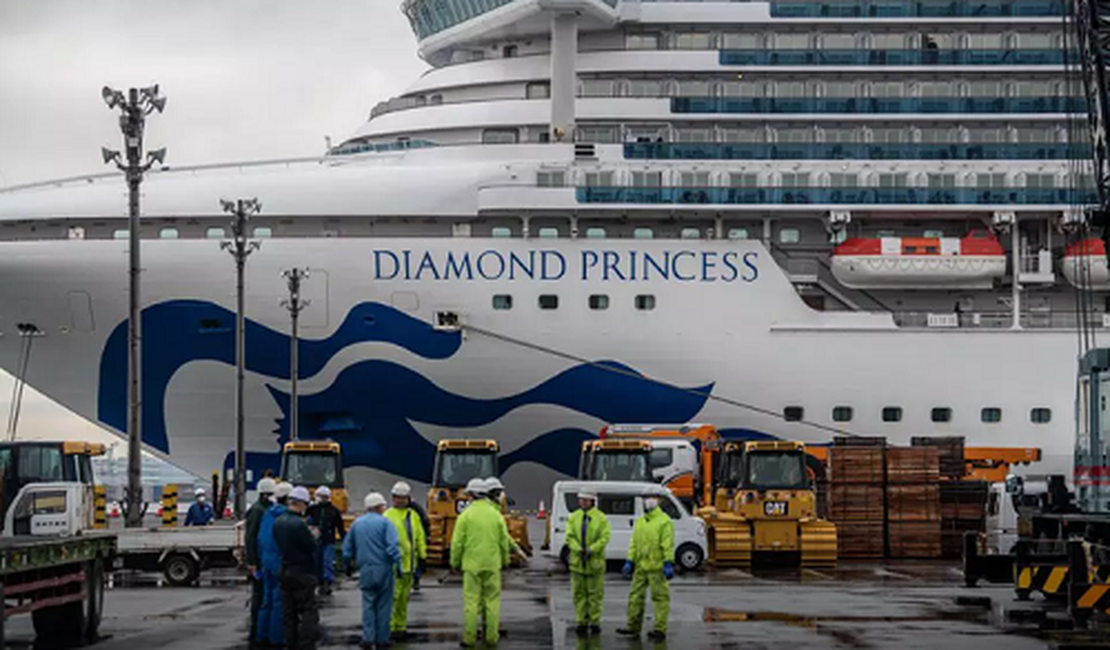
x,y
456,463
765,508
313,463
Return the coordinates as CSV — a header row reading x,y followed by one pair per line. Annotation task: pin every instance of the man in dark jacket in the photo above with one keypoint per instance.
x,y
329,521
266,488
297,545
426,524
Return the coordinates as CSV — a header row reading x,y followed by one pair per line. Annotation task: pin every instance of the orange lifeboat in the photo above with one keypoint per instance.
x,y
1085,265
971,262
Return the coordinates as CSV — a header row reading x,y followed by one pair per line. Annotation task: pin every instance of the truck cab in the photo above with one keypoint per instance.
x,y
615,460
27,462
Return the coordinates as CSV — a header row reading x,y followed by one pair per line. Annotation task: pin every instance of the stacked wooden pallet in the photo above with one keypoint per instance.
x,y
962,510
951,453
856,496
913,502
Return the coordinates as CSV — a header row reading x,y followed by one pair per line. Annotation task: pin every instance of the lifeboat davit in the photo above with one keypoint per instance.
x,y
1085,265
971,262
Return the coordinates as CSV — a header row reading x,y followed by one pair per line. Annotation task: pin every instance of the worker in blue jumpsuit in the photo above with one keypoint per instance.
x,y
201,512
269,627
373,545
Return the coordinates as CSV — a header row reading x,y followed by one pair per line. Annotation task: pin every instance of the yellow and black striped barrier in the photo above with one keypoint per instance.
x,y
100,507
1086,598
169,506
1053,579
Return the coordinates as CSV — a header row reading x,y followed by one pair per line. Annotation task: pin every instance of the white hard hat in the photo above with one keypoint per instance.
x,y
493,483
266,485
402,489
586,494
373,500
199,492
476,486
283,489
323,491
299,493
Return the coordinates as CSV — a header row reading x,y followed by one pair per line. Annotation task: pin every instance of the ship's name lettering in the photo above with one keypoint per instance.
x,y
553,265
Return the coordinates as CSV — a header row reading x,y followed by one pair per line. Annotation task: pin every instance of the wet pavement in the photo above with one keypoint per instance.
x,y
903,605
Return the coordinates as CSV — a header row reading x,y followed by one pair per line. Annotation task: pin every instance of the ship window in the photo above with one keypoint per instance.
x,y
645,88
120,234
500,136
941,414
549,233
840,179
599,302
549,301
690,233
596,88
75,232
737,233
263,232
933,233
647,179
214,233
1040,415
842,414
598,134
645,302
501,231
538,90
509,51
743,180
1042,181
599,179
551,179
694,179
595,233
996,181
793,413
692,41
991,415
643,233
211,325
168,233
892,414
502,301
790,236
641,41
742,41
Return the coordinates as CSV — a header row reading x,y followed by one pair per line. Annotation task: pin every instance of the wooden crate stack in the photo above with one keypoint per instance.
x,y
856,498
951,450
913,502
963,509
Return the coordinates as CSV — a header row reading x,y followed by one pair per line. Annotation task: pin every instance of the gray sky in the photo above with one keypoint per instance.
x,y
245,79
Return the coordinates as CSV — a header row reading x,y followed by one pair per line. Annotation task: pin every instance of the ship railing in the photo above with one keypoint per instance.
x,y
988,320
835,195
853,151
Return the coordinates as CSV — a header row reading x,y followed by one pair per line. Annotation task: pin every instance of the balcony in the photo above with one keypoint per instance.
x,y
877,105
920,9
833,196
853,151
891,57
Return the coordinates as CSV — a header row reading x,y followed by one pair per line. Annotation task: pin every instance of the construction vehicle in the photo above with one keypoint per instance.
x,y
313,463
765,508
456,463
615,460
995,464
53,562
682,456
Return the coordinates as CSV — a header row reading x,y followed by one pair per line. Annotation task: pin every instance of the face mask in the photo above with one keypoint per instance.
x,y
651,504
201,499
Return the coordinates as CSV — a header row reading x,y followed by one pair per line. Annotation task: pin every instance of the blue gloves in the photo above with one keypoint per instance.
x,y
668,570
419,570
400,574
628,568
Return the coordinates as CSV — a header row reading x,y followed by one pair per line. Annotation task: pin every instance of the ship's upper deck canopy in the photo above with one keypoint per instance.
x,y
441,23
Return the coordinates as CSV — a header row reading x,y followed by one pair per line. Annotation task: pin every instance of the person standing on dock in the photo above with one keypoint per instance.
x,y
201,512
297,544
414,551
269,626
587,537
372,545
480,548
329,521
651,564
266,488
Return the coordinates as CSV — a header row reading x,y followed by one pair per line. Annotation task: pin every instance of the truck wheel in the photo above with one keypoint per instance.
x,y
62,626
689,557
94,600
180,570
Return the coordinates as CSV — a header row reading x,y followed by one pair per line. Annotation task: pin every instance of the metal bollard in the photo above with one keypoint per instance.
x,y
100,512
169,505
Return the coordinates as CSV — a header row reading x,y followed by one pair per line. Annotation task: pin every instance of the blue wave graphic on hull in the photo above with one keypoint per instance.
x,y
180,331
370,406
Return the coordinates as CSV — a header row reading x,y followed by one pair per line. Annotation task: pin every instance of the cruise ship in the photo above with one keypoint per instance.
x,y
793,219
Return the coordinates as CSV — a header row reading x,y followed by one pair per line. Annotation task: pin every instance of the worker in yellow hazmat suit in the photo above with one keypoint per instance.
x,y
414,551
651,564
587,536
480,548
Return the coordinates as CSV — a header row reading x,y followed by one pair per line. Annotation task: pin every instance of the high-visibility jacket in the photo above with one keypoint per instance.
x,y
481,539
652,541
410,535
597,538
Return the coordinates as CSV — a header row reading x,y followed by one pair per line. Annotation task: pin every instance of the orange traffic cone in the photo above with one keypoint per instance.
x,y
542,514
227,512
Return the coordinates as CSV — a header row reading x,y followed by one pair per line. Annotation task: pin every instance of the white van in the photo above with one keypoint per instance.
x,y
623,503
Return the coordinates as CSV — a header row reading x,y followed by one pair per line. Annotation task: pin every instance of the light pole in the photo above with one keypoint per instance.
x,y
133,108
295,305
240,248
